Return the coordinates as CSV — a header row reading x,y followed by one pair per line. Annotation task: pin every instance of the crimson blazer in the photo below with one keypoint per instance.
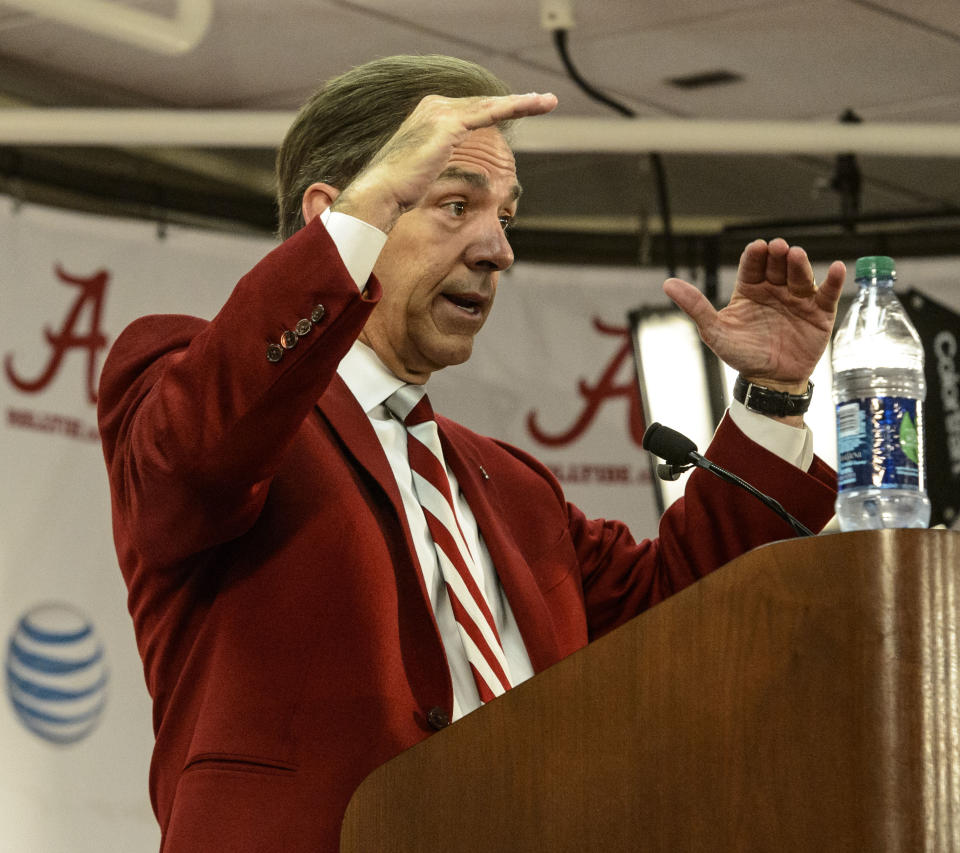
x,y
287,639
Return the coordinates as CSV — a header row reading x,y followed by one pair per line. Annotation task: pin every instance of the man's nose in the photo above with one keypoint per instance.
x,y
489,250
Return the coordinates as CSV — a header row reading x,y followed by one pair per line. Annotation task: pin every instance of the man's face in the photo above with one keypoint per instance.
x,y
440,265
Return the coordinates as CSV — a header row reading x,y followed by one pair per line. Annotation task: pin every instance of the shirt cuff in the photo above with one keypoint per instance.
x,y
358,243
792,444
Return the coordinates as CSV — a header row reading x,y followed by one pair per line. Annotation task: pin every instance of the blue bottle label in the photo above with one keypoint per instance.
x,y
877,443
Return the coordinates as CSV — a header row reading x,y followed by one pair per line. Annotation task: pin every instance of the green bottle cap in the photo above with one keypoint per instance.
x,y
876,266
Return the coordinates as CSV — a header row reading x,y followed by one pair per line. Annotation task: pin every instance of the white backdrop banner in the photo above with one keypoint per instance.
x,y
552,373
75,726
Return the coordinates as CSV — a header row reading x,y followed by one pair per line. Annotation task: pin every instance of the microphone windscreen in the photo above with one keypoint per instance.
x,y
668,444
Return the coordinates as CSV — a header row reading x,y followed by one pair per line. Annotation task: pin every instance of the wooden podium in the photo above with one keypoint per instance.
x,y
806,697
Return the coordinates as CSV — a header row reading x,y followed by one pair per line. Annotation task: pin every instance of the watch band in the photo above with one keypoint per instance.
x,y
767,401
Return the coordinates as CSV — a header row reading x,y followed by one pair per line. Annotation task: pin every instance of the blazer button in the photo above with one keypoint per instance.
x,y
303,327
274,353
438,718
288,340
317,314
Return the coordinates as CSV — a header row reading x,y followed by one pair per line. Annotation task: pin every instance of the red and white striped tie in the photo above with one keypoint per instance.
x,y
478,633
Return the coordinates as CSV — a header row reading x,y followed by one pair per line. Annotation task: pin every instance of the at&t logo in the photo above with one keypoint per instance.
x,y
56,673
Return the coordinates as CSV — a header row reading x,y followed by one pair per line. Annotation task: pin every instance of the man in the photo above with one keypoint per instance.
x,y
309,600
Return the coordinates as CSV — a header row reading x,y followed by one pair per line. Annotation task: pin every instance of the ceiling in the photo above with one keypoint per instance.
x,y
887,60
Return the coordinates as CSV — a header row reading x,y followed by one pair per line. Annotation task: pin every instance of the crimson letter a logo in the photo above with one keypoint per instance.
x,y
92,291
594,396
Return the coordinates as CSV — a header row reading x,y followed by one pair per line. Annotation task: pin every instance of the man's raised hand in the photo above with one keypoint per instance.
x,y
778,321
398,176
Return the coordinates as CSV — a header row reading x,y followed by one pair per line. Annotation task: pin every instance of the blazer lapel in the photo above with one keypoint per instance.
x,y
424,657
353,428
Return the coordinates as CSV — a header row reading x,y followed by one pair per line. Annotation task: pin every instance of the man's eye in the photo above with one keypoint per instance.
x,y
506,222
457,208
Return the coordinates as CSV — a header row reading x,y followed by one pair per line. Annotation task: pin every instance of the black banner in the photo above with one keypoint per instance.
x,y
939,329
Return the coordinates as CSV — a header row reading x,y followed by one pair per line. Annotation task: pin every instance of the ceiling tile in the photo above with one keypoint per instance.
x,y
508,26
810,59
936,14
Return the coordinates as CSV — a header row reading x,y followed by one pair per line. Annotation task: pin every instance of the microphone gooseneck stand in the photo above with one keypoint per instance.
x,y
680,455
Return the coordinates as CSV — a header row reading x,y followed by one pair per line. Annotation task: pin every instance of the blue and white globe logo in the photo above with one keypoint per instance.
x,y
57,673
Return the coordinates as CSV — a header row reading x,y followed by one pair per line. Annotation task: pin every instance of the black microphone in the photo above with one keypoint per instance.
x,y
669,444
680,454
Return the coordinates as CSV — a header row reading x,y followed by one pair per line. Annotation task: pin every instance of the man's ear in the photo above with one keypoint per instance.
x,y
316,199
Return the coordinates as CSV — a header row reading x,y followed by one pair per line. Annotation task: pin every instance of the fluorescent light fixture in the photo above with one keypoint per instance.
x,y
674,372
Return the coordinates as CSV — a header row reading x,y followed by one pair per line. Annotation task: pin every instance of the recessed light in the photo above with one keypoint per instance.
x,y
703,79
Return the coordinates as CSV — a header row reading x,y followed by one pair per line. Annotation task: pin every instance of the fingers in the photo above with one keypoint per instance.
x,y
475,113
437,124
775,262
505,107
798,273
779,263
828,294
754,262
691,301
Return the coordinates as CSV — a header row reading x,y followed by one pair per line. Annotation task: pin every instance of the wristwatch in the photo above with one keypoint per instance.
x,y
767,401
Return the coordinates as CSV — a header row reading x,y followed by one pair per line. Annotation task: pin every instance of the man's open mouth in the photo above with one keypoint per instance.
x,y
472,304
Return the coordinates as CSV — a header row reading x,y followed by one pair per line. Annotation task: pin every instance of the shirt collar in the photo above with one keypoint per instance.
x,y
368,378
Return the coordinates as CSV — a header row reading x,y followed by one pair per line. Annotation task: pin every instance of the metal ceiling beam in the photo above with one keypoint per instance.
x,y
702,136
265,129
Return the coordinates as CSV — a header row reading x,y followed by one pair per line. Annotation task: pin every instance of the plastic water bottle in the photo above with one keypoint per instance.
x,y
879,389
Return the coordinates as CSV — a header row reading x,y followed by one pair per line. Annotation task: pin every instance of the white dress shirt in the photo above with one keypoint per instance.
x,y
370,382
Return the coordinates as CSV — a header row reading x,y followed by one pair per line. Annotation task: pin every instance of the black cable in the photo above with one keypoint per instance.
x,y
560,39
656,162
666,218
799,528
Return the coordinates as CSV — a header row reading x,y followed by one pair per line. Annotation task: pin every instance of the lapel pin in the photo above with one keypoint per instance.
x,y
484,473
